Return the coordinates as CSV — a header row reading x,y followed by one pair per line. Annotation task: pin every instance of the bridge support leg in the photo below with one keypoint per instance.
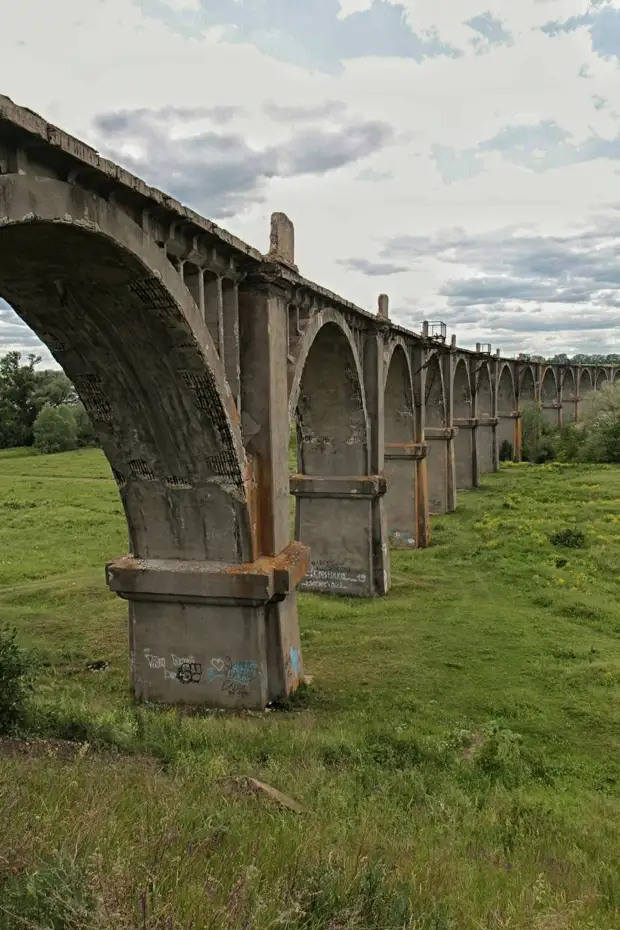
x,y
466,466
402,501
207,632
508,430
441,471
335,516
486,445
218,633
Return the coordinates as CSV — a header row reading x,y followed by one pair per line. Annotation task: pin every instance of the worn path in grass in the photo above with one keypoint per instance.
x,y
457,751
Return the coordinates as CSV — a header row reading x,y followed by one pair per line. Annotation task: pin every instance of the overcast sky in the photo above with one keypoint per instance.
x,y
462,156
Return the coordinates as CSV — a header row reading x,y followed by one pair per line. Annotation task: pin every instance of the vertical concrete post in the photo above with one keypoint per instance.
x,y
374,346
419,395
448,364
263,312
495,366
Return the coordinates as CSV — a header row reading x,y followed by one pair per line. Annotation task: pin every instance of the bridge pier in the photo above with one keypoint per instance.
x,y
466,459
405,493
486,444
509,430
441,469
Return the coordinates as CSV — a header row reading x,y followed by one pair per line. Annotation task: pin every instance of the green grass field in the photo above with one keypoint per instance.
x,y
457,752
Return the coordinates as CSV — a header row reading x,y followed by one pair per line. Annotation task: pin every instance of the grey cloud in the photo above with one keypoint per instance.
x,y
372,269
325,110
310,35
456,166
220,173
603,24
122,120
15,335
524,281
539,147
371,174
599,102
491,32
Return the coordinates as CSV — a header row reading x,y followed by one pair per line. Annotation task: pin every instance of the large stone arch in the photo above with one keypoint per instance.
x,y
568,394
119,320
484,412
334,495
506,410
435,432
327,401
527,388
585,386
462,401
400,461
549,396
602,378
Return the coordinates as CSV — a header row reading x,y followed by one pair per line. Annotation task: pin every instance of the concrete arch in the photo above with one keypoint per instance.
x,y
586,384
483,405
327,401
506,394
400,464
549,387
484,392
549,395
311,333
527,388
121,323
507,430
601,378
461,391
398,398
435,398
568,393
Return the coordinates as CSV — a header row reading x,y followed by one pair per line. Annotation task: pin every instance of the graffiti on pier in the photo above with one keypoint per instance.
x,y
185,669
236,677
333,579
189,673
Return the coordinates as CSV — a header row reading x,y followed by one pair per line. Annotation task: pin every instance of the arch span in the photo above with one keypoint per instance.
x,y
435,426
484,413
334,493
400,462
507,430
462,401
549,397
527,388
118,319
568,394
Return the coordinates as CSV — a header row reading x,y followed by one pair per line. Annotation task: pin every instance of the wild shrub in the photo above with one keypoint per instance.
x,y
568,539
15,670
505,451
55,430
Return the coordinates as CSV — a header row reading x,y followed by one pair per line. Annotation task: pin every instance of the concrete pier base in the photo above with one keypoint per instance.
x,y
466,464
507,431
403,497
337,518
486,446
441,469
212,633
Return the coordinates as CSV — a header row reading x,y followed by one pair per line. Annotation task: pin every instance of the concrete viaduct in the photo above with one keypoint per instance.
x,y
193,353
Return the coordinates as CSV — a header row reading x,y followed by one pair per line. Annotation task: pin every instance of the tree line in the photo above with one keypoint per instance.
x,y
40,408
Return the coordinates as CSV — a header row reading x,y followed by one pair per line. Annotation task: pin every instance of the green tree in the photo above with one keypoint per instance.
x,y
55,430
53,388
86,435
18,408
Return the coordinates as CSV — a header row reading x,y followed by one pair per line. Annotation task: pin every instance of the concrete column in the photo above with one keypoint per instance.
x,y
421,485
486,444
214,312
402,464
441,474
374,387
220,633
466,464
230,316
448,363
509,428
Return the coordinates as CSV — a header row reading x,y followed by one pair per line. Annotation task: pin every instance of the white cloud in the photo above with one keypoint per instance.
x,y
346,203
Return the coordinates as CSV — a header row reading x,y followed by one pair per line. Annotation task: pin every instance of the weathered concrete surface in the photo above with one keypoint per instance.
x,y
192,352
